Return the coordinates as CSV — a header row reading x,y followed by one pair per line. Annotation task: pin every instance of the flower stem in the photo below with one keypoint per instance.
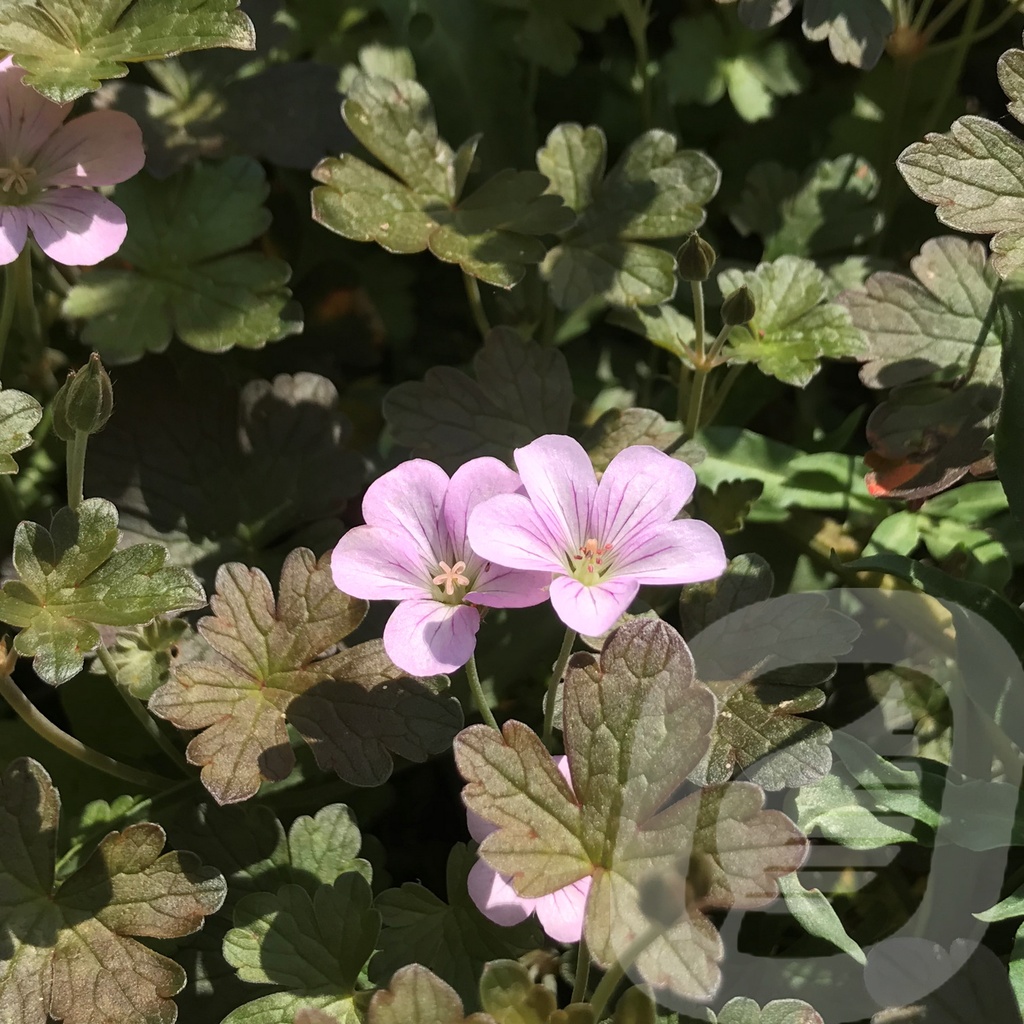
x,y
697,291
27,300
579,988
951,77
478,693
617,971
76,467
138,709
476,304
556,677
42,726
7,309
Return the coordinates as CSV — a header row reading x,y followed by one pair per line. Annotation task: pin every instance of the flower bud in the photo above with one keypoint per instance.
x,y
695,259
739,307
84,402
635,1007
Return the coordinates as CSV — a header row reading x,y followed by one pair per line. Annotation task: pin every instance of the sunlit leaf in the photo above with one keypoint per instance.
x,y
416,996
655,192
267,667
795,325
185,277
780,1011
19,414
490,233
636,723
70,579
67,48
69,949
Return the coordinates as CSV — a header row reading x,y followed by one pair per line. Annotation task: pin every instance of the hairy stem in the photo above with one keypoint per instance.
x,y
27,301
606,989
556,677
476,304
579,988
138,709
951,76
7,308
478,693
76,467
58,738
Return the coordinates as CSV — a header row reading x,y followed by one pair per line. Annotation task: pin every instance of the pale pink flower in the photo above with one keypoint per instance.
x,y
43,165
601,541
413,549
560,913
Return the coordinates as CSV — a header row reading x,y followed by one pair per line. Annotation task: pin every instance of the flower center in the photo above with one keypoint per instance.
x,y
588,566
15,177
452,580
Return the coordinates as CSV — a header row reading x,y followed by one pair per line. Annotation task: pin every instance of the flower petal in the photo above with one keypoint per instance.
x,y
471,484
559,478
76,227
479,828
498,587
27,118
377,564
494,896
509,531
13,232
99,148
561,913
428,638
591,610
642,487
409,500
683,551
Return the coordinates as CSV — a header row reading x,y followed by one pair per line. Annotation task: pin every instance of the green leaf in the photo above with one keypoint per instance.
x,y
974,174
846,814
856,30
314,945
795,324
548,31
1010,425
636,724
522,390
817,917
217,474
453,939
267,666
185,275
416,996
143,656
619,428
662,325
19,413
509,993
71,580
654,192
67,49
823,481
741,1010
709,59
491,233
74,937
829,209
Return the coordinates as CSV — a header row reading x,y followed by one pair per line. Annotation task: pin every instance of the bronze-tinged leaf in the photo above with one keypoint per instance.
x,y
68,950
415,996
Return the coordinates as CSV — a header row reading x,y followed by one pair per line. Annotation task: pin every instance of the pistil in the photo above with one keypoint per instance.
x,y
451,576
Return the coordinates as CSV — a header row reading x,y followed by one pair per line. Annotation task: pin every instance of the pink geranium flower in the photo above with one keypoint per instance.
x,y
601,541
413,549
43,165
560,913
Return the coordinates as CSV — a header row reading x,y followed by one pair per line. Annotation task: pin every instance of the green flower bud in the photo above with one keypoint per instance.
x,y
84,402
695,259
635,1007
739,307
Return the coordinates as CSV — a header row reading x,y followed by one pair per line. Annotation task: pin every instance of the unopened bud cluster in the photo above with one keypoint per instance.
x,y
695,259
84,402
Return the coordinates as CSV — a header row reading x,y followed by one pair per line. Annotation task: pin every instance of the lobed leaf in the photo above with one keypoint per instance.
x,y
521,391
267,667
68,49
185,277
19,414
416,996
636,723
655,191
69,949
70,580
795,324
491,233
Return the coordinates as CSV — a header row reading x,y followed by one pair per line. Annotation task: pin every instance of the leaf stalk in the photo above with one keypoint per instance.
x,y
556,677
